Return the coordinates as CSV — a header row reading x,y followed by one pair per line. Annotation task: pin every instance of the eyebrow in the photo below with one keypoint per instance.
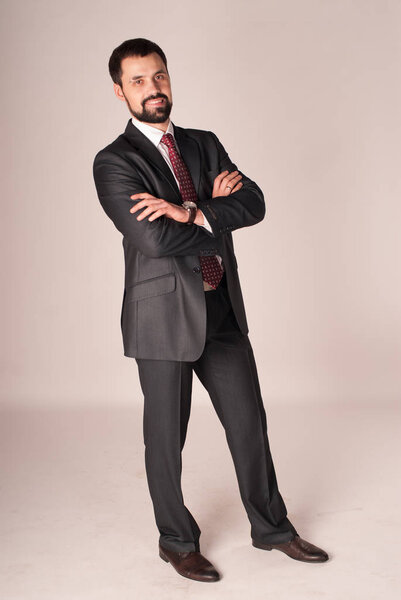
x,y
134,77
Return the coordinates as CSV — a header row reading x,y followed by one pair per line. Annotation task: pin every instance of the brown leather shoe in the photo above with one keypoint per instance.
x,y
190,564
297,548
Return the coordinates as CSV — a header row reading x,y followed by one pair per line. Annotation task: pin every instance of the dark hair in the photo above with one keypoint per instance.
x,y
135,47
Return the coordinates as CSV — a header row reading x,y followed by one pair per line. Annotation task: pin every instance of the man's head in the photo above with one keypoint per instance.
x,y
138,69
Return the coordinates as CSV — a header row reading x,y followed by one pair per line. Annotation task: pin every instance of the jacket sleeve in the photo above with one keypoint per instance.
x,y
116,180
240,209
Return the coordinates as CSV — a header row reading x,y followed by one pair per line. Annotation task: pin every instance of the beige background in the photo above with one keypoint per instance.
x,y
305,96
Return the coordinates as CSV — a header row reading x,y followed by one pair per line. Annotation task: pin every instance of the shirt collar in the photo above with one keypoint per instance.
x,y
152,133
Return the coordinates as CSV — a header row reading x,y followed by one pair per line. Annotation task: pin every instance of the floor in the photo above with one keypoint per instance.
x,y
77,522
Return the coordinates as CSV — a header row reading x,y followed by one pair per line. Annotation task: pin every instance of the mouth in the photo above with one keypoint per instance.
x,y
157,102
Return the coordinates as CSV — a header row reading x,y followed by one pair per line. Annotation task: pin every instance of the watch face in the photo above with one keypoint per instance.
x,y
189,204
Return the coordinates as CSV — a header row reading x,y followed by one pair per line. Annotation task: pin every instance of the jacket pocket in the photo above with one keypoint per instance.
x,y
156,286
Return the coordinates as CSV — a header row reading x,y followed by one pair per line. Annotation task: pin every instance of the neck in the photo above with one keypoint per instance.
x,y
162,126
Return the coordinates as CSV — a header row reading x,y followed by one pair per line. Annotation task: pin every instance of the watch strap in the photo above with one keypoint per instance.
x,y
192,214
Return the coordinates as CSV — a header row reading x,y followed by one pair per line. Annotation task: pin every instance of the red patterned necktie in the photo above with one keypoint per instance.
x,y
212,271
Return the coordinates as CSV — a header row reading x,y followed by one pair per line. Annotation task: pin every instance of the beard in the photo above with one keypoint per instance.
x,y
157,114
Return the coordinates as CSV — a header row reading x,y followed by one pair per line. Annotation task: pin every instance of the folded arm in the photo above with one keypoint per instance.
x,y
116,181
241,208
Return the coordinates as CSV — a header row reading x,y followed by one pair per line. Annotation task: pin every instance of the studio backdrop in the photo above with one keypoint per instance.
x,y
305,97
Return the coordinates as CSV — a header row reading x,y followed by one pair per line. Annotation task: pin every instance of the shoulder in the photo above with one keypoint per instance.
x,y
198,134
116,146
205,139
116,151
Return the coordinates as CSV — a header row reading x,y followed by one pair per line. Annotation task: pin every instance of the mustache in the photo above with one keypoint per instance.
x,y
155,97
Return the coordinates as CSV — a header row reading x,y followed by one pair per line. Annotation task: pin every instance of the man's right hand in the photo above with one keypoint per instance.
x,y
226,183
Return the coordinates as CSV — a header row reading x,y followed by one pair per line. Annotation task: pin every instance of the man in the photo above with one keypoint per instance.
x,y
176,197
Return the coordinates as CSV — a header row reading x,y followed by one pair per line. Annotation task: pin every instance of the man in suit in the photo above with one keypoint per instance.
x,y
176,197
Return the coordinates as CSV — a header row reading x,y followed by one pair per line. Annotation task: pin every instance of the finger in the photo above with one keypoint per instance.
x,y
157,214
143,203
231,176
229,181
237,187
137,207
147,211
232,182
227,188
141,195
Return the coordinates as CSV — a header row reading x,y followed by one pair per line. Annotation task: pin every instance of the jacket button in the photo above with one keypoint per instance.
x,y
196,269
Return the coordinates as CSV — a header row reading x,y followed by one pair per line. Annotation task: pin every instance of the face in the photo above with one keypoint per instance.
x,y
146,89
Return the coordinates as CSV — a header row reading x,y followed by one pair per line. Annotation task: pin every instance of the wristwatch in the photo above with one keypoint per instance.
x,y
191,207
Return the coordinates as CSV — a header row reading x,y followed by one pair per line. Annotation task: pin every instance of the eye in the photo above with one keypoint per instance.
x,y
159,76
137,81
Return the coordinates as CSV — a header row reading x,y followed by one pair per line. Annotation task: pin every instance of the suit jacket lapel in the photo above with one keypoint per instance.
x,y
151,153
187,146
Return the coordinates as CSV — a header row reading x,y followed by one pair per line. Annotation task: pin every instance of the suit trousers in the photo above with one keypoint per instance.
x,y
227,369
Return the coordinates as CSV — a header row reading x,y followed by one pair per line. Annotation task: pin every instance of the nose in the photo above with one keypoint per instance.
x,y
154,88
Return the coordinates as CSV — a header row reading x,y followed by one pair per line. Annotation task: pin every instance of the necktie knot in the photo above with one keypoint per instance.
x,y
168,139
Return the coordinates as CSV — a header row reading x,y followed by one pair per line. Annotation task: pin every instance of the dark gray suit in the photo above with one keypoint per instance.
x,y
174,328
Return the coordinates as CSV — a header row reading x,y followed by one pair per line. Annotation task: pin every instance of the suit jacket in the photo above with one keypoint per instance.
x,y
163,313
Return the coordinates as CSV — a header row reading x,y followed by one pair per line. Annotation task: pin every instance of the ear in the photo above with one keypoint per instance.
x,y
118,92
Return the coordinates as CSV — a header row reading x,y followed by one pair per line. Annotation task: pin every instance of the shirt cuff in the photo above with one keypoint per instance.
x,y
206,223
